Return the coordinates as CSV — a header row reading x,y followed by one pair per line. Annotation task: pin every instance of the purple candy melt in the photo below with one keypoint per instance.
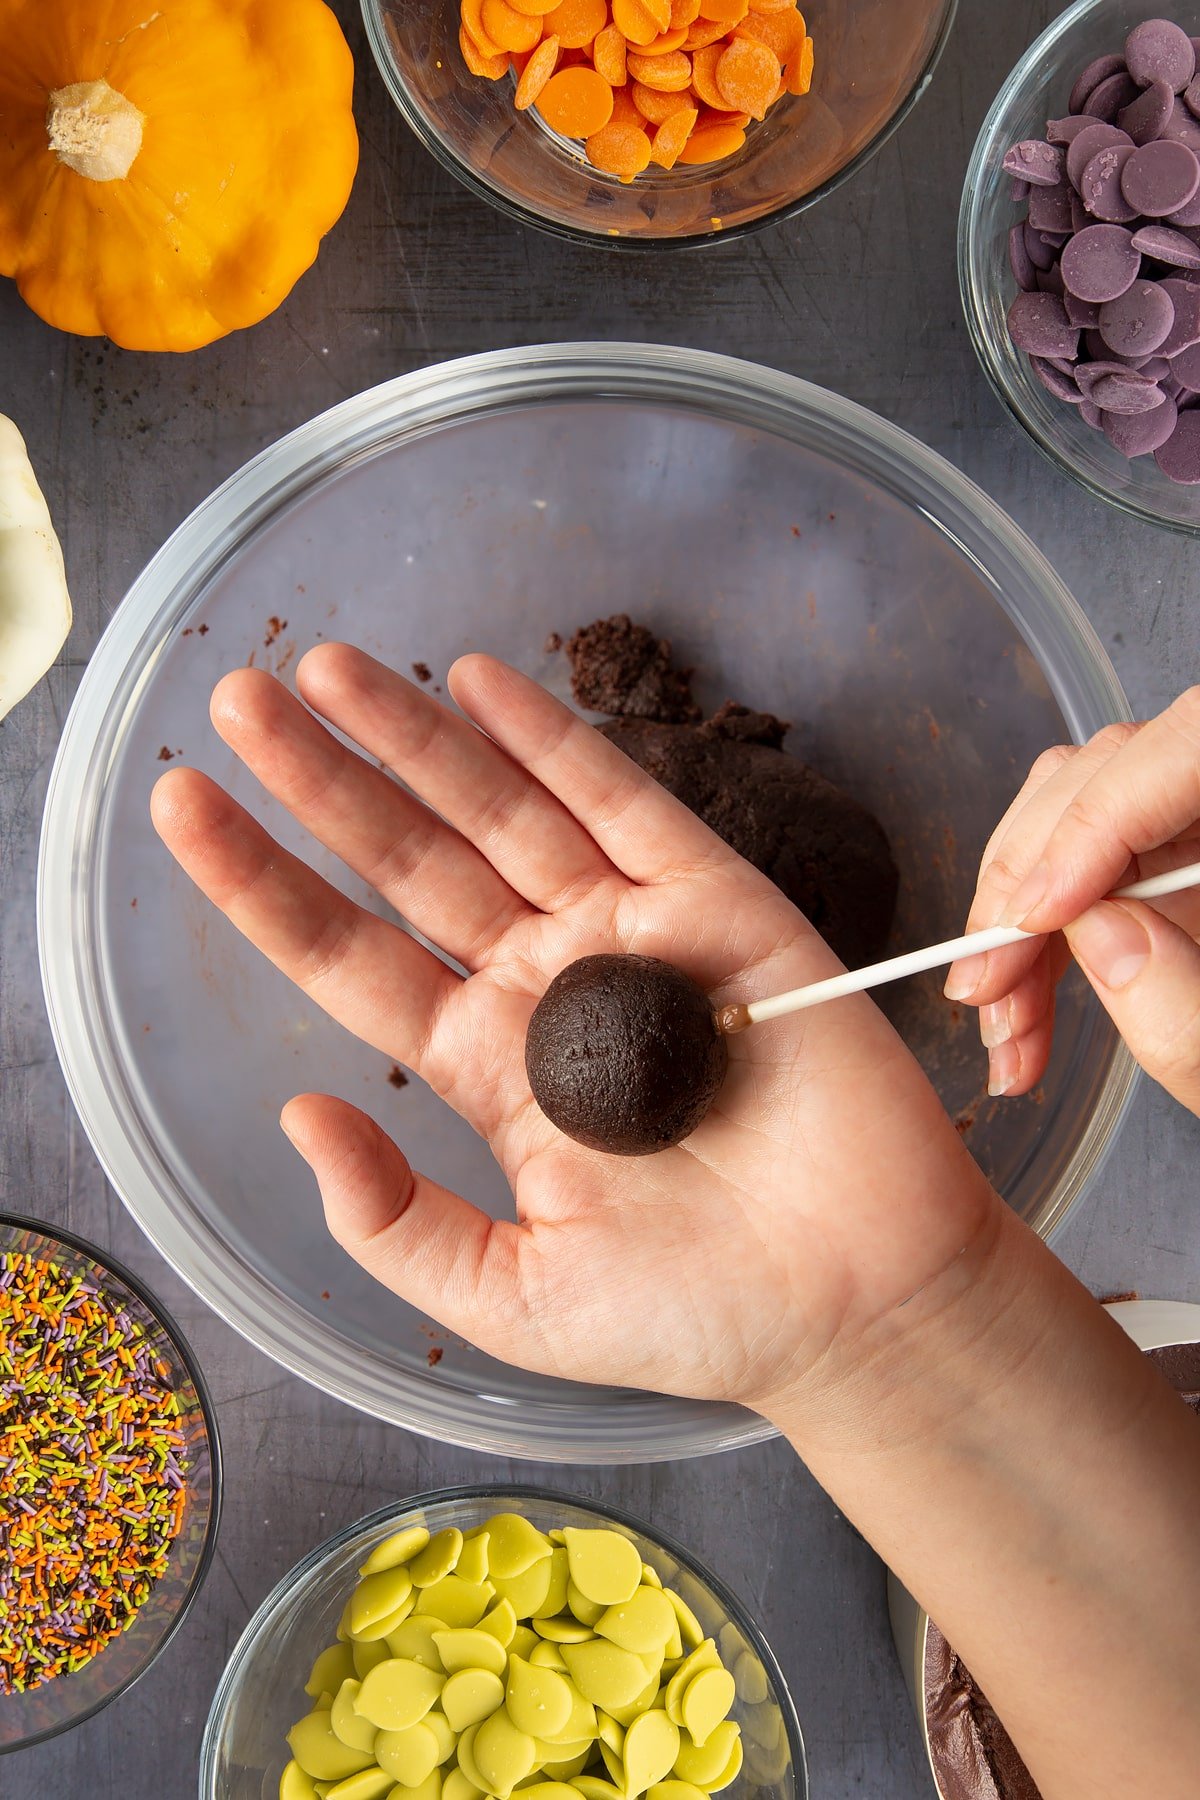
x,y
1087,144
1127,392
1100,262
1102,355
1137,434
1100,185
1050,209
1040,253
1090,79
1157,50
1062,131
1160,177
1055,382
1043,165
1111,199
1167,246
1186,329
1185,367
1089,373
1111,97
1138,321
1179,457
1145,117
1182,128
1084,313
1019,260
1038,324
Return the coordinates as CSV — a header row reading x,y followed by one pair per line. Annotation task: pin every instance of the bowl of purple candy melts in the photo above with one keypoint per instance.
x,y
1079,252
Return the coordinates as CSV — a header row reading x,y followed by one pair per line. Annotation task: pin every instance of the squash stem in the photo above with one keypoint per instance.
x,y
94,130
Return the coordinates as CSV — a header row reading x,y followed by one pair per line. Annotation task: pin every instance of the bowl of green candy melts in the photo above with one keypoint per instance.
x,y
501,1641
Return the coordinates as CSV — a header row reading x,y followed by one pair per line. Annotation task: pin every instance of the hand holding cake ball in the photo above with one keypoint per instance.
x,y
818,1245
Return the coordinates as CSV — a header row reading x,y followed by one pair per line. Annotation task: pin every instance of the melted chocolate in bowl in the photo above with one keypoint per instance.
x,y
973,1756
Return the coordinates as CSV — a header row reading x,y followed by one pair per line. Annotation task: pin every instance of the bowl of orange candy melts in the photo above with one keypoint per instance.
x,y
643,122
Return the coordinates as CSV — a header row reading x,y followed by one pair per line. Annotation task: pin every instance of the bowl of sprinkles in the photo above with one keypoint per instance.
x,y
110,1480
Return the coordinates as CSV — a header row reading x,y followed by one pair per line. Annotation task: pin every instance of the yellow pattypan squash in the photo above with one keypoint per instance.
x,y
169,167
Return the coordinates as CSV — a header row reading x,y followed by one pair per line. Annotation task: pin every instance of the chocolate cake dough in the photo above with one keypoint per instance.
x,y
623,1054
826,852
973,1756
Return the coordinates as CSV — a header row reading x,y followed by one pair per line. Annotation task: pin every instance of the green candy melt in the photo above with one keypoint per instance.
x,y
510,1663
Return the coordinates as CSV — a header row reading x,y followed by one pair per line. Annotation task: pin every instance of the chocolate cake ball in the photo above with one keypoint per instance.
x,y
623,1054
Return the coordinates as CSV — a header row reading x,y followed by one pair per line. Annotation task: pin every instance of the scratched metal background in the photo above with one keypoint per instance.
x,y
860,295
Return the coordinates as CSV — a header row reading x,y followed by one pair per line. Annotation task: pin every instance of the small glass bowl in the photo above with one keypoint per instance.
x,y
1037,90
42,1712
261,1694
874,59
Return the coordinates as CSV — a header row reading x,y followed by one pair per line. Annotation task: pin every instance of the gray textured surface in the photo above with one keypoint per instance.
x,y
860,295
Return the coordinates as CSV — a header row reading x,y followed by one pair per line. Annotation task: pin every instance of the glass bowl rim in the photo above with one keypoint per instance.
x,y
1039,605
310,1563
71,1240
634,246
1025,77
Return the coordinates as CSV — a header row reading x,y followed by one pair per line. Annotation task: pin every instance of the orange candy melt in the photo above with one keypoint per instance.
x,y
669,140
510,30
666,74
577,102
536,73
747,77
575,22
609,55
621,150
657,108
642,81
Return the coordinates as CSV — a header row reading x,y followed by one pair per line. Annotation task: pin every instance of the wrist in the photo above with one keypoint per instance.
x,y
911,1372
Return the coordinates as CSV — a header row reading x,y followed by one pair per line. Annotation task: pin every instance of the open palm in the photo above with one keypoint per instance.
x,y
823,1189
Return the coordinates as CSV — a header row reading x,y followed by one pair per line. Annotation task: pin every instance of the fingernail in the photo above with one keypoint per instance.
x,y
1111,943
995,1024
1004,1066
964,977
1031,890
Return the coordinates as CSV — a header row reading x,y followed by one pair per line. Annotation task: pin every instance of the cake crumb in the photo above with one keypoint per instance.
x,y
622,669
275,625
422,671
553,642
397,1077
165,755
434,1355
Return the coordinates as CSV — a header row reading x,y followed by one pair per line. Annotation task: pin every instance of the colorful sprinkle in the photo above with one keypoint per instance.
x,y
92,1470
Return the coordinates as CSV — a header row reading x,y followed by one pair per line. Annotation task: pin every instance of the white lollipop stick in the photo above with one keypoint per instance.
x,y
737,1017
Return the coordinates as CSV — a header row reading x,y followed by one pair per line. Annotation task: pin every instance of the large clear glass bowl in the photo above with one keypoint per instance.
x,y
42,1712
1037,90
261,1694
804,555
874,59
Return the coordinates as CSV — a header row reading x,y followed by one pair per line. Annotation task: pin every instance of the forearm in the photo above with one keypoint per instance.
x,y
1035,1483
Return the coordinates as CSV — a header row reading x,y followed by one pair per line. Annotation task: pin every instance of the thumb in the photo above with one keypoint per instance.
x,y
1146,972
422,1241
